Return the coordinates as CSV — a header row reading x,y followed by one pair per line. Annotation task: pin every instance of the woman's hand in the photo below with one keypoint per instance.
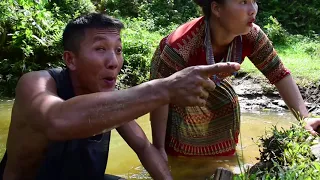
x,y
164,154
312,125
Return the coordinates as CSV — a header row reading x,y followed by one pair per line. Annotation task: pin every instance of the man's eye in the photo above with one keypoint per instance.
x,y
100,49
119,50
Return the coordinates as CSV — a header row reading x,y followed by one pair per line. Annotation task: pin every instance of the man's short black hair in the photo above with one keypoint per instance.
x,y
75,30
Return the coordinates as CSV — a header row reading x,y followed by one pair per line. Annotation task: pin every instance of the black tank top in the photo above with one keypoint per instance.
x,y
79,159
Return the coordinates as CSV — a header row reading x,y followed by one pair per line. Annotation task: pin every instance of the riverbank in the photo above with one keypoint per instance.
x,y
256,94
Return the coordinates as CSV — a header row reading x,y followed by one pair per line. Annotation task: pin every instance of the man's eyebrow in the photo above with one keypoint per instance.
x,y
98,38
101,38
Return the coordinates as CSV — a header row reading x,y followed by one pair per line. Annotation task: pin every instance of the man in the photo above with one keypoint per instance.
x,y
61,119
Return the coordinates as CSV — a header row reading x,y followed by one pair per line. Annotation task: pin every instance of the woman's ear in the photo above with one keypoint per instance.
x,y
215,9
69,60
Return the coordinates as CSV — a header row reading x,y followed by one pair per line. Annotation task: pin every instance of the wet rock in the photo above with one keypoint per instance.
x,y
315,149
246,167
316,111
279,103
223,174
260,166
309,105
247,87
275,107
257,95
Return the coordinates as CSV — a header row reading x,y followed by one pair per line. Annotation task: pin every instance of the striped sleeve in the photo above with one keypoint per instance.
x,y
265,57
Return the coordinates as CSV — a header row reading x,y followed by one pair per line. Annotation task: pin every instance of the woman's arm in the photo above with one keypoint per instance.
x,y
147,153
158,120
265,58
291,95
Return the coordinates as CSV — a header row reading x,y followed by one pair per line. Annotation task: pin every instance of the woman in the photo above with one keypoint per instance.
x,y
226,33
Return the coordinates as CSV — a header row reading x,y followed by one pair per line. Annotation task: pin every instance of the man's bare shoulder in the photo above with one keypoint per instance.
x,y
36,97
33,83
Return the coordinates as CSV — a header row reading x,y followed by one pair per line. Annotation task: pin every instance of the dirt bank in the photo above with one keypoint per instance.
x,y
258,94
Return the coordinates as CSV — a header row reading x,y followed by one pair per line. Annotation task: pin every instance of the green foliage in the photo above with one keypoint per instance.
x,y
173,11
276,32
297,17
300,54
32,40
122,8
69,9
307,45
31,31
163,12
286,154
31,37
139,44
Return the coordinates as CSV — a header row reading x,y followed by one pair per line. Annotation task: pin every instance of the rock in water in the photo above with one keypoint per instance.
x,y
223,174
315,149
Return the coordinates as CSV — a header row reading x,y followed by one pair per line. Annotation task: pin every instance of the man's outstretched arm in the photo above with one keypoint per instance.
x,y
147,153
86,115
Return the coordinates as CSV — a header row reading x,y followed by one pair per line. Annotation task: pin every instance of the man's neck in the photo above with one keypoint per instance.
x,y
78,90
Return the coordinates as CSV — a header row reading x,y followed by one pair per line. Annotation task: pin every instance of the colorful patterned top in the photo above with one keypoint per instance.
x,y
211,130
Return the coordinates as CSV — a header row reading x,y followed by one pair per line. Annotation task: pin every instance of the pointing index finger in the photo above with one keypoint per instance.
x,y
209,70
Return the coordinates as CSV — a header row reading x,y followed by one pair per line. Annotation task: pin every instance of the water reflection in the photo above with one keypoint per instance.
x,y
5,115
124,162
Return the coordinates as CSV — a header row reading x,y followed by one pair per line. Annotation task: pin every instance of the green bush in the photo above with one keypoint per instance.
x,y
297,17
139,44
30,31
121,8
305,44
31,36
163,12
286,154
69,9
275,31
32,40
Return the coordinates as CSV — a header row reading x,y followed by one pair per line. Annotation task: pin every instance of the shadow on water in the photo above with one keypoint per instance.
x,y
124,162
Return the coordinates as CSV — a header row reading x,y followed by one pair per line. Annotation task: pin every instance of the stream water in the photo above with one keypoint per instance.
x,y
124,162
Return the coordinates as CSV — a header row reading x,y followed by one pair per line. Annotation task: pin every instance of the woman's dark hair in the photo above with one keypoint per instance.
x,y
206,5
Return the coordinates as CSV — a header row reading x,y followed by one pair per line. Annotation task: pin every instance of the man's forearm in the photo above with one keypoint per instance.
x,y
154,163
87,115
291,95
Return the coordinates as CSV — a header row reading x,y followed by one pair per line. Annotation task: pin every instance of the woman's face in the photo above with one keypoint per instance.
x,y
237,16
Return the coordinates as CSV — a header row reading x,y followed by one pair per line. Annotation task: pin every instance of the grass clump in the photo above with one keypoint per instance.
x,y
286,154
301,55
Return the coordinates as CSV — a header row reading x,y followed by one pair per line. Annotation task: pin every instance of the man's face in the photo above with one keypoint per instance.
x,y
99,60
